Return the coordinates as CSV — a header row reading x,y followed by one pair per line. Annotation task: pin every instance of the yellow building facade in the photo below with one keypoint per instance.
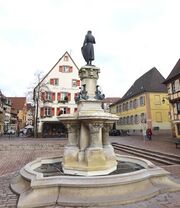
x,y
142,108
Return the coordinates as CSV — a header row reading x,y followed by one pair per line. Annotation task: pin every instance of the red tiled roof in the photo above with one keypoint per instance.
x,y
18,103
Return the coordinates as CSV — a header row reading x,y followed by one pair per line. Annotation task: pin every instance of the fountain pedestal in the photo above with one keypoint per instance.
x,y
88,151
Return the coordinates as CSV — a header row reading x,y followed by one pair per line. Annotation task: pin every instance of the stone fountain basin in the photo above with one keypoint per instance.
x,y
35,190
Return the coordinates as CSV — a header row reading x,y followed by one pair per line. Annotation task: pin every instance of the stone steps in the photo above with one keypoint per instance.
x,y
164,158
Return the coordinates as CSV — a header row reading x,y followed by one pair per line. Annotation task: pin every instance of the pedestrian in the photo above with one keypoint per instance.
x,y
149,133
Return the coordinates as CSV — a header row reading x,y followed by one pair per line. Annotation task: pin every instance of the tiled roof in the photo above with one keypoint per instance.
x,y
151,81
18,103
111,99
174,73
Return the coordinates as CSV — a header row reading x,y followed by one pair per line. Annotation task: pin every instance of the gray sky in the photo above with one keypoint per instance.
x,y
132,36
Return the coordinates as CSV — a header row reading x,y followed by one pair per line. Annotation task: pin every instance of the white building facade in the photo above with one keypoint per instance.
x,y
56,93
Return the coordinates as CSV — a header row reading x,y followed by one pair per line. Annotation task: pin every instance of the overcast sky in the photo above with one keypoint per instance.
x,y
132,36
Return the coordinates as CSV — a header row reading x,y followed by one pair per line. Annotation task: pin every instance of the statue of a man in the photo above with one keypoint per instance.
x,y
88,48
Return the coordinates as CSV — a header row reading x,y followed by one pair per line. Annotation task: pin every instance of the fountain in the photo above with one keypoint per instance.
x,y
89,174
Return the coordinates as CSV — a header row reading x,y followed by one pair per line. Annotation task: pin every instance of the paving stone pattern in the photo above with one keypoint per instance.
x,y
16,152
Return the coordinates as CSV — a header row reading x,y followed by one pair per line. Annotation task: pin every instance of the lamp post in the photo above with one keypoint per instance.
x,y
164,99
37,111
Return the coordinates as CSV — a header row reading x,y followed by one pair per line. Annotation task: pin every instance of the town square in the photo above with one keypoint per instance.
x,y
97,127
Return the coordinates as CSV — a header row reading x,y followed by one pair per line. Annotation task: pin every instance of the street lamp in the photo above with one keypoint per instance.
x,y
164,99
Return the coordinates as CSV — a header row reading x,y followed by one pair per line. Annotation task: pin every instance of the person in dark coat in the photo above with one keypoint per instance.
x,y
88,48
149,133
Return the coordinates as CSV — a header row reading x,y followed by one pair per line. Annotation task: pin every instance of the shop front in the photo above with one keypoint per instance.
x,y
54,130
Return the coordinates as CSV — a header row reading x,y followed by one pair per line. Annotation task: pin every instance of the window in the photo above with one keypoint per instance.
x,y
75,83
65,69
63,96
126,107
48,96
128,120
142,101
136,119
130,104
143,118
131,120
173,87
54,81
125,120
66,58
135,103
62,110
47,111
178,107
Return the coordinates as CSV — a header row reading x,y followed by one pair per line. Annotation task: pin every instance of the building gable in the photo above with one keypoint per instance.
x,y
62,61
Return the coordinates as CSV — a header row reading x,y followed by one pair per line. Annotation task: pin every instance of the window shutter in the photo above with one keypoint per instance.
x,y
58,96
42,112
52,111
53,96
60,68
78,83
69,96
68,110
70,69
52,81
57,111
42,95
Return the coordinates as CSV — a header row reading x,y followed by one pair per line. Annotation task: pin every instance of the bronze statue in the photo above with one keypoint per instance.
x,y
88,48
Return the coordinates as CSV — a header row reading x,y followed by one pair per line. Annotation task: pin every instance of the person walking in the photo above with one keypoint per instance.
x,y
149,133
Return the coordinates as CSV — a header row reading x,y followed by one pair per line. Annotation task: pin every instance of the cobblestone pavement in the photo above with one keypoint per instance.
x,y
16,152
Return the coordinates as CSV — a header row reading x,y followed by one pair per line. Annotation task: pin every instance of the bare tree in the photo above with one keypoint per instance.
x,y
33,96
